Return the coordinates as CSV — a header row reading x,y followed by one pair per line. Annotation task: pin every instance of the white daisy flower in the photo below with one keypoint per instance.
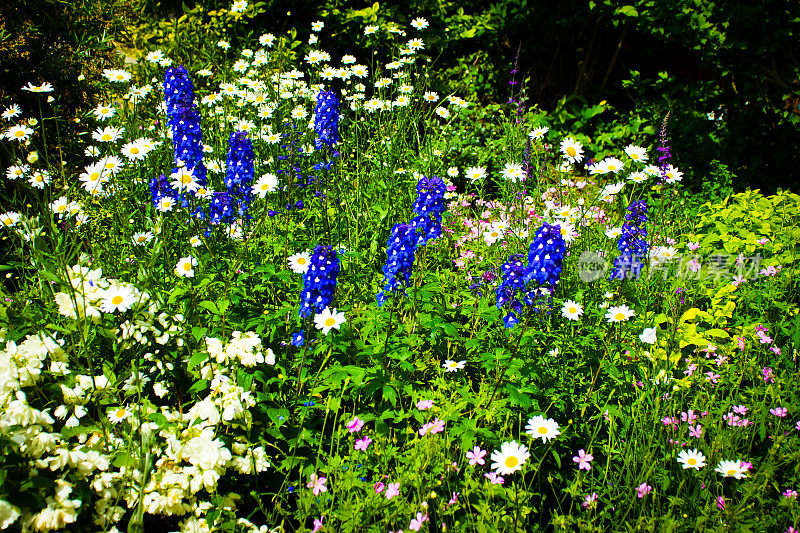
x,y
329,319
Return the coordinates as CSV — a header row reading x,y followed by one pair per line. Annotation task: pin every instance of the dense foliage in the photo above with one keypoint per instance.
x,y
300,279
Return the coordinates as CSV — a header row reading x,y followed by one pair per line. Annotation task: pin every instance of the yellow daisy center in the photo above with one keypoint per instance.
x,y
571,151
731,472
692,461
134,150
106,137
542,430
19,133
187,266
140,239
8,221
186,179
511,461
302,261
619,316
329,322
116,300
572,310
121,412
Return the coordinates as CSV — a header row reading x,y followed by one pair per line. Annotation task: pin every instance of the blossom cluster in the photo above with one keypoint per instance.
x,y
319,281
631,244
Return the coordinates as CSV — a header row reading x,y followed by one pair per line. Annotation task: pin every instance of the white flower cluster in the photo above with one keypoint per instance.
x,y
183,451
21,365
92,294
244,348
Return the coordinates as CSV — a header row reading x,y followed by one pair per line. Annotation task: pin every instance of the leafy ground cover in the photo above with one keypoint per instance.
x,y
286,291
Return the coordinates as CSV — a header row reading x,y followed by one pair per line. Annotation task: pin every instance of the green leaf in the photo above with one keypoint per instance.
x,y
557,458
197,358
628,11
517,397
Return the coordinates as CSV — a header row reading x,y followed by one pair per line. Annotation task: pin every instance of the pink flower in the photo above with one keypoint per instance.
x,y
690,370
778,411
355,425
317,483
424,429
769,271
318,524
362,444
763,338
424,404
789,493
797,426
732,419
712,377
589,501
476,455
740,342
454,499
745,465
379,486
494,478
688,416
740,409
437,427
738,280
763,240
643,490
693,245
721,502
416,523
776,350
696,431
767,371
583,459
392,490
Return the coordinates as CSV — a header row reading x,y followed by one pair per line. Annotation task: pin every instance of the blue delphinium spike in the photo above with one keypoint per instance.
x,y
240,170
429,207
400,251
514,273
631,243
184,120
546,256
326,119
319,281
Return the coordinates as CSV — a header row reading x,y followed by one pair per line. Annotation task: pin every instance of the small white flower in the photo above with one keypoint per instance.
x,y
299,263
329,319
185,267
648,336
453,366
